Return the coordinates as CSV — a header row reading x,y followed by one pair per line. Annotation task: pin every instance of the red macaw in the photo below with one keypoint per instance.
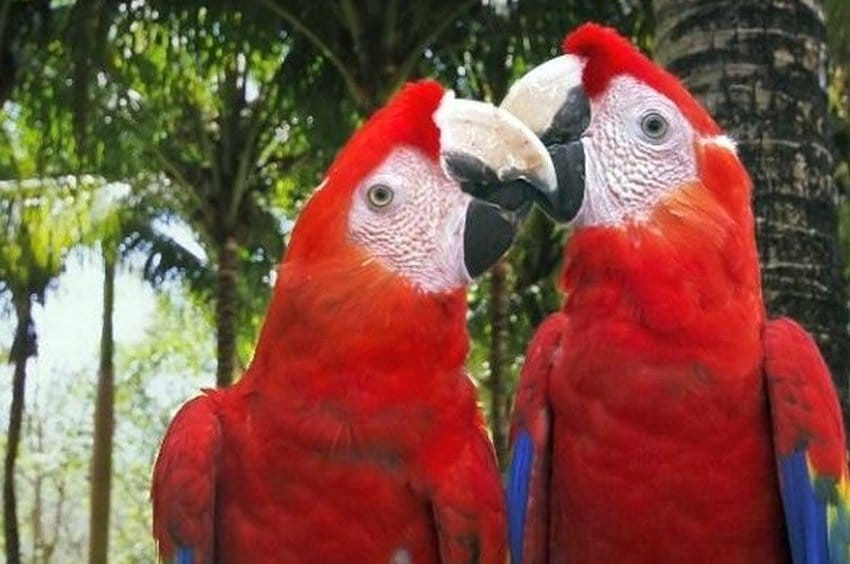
x,y
659,416
354,436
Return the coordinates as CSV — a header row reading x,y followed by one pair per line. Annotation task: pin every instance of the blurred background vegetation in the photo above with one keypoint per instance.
x,y
154,155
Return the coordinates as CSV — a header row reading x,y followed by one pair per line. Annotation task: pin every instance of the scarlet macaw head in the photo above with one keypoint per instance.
x,y
624,134
393,195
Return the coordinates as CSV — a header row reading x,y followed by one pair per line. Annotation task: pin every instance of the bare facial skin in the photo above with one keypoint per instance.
x,y
638,148
409,215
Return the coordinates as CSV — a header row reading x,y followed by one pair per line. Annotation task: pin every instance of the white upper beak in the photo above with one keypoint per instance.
x,y
492,144
536,97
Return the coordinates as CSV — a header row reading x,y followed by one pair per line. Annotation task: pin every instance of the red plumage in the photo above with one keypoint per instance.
x,y
355,435
655,398
801,380
659,349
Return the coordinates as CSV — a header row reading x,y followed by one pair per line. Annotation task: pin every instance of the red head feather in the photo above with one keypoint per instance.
x,y
609,54
406,120
330,297
334,304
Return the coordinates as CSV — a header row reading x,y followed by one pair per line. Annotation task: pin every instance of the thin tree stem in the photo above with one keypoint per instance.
x,y
498,312
22,348
225,311
104,422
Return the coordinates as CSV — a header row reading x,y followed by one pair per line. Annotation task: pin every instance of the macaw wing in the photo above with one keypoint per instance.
x,y
528,474
809,444
466,498
184,484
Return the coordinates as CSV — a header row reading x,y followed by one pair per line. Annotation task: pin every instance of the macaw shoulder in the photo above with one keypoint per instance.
x,y
184,478
804,401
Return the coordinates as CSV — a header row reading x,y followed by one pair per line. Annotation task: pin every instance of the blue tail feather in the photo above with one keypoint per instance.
x,y
183,555
519,477
805,512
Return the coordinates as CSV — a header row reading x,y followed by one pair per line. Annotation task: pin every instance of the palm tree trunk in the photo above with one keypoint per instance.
x,y
225,312
760,67
104,422
498,313
23,347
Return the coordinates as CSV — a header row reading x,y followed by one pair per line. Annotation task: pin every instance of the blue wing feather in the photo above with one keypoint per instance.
x,y
519,476
183,555
805,511
809,444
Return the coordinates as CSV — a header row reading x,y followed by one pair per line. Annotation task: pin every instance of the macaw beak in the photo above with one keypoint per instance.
x,y
502,164
550,101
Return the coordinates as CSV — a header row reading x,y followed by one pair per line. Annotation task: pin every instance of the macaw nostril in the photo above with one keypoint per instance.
x,y
571,119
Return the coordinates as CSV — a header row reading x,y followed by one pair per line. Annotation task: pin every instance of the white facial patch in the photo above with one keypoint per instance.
x,y
419,232
629,166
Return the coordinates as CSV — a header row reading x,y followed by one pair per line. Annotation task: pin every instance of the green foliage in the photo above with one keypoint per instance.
x,y
40,221
212,96
216,96
368,49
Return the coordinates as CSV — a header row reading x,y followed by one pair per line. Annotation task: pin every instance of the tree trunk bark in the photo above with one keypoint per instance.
x,y
760,68
498,314
23,347
225,311
104,422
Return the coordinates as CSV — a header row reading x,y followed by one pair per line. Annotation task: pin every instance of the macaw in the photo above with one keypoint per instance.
x,y
354,435
659,416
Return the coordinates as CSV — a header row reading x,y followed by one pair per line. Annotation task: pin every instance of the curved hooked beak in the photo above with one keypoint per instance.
x,y
502,164
551,102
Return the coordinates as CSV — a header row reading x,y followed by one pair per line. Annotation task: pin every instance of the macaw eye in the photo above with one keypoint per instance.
x,y
654,126
380,195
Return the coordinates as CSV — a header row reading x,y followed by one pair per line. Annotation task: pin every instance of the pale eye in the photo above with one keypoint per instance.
x,y
654,126
380,195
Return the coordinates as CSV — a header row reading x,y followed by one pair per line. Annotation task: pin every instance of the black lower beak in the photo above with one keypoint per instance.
x,y
489,231
569,164
562,204
563,141
516,196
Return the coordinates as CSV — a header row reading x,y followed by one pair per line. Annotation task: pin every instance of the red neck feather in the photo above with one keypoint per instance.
x,y
688,274
349,326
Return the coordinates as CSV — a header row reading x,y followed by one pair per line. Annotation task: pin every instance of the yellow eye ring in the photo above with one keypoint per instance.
x,y
380,195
